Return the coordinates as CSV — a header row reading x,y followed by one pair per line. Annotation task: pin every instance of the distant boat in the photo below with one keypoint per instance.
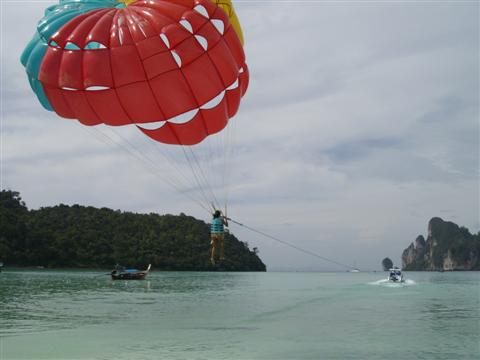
x,y
354,269
395,275
1,266
121,273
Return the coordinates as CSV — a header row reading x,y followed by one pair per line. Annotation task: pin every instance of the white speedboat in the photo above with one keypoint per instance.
x,y
395,275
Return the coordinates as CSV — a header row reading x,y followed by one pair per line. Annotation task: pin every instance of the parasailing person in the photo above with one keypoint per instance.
x,y
217,235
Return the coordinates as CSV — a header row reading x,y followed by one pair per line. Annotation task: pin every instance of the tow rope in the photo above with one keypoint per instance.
x,y
292,245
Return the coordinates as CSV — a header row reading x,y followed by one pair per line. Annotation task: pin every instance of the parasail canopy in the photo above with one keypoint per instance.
x,y
175,69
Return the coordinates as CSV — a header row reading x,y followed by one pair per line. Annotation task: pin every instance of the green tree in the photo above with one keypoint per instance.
x,y
79,236
387,264
13,229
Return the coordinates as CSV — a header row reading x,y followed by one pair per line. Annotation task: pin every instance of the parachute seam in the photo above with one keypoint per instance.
x,y
114,18
218,3
164,15
225,103
144,72
68,105
106,14
132,8
172,129
99,15
61,91
58,73
228,140
84,95
203,124
230,49
66,15
200,111
181,42
193,155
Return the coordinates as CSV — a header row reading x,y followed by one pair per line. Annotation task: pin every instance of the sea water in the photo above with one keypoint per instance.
x,y
189,315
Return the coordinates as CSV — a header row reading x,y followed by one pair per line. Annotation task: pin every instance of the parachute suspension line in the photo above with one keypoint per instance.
x,y
230,146
202,175
201,186
146,163
198,175
156,148
216,164
211,158
171,159
168,156
205,194
157,170
292,245
224,160
231,155
204,198
173,179
135,153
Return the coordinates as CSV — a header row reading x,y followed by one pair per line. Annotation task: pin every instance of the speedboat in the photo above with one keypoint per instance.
x,y
395,275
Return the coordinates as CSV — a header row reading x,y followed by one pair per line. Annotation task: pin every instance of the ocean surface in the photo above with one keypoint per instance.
x,y
188,315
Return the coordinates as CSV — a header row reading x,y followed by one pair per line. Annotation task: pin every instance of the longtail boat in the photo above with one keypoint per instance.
x,y
121,273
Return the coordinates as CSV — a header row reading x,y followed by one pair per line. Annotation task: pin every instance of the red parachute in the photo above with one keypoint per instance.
x,y
174,68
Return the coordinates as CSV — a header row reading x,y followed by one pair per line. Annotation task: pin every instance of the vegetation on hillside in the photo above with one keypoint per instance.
x,y
79,236
387,264
447,247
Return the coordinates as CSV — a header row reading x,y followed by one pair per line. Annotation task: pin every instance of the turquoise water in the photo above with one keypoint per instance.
x,y
75,315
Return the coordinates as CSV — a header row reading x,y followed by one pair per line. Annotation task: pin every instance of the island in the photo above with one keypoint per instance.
x,y
78,236
447,247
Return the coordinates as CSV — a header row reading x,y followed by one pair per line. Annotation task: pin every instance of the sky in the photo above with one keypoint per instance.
x,y
361,122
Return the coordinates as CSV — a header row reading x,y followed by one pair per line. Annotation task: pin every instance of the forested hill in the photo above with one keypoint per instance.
x,y
79,236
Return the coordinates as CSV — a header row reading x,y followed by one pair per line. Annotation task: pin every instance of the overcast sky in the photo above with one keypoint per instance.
x,y
360,124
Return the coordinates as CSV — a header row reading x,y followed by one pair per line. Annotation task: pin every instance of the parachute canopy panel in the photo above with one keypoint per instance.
x,y
174,69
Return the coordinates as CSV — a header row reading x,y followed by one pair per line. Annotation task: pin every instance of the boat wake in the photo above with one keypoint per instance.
x,y
387,283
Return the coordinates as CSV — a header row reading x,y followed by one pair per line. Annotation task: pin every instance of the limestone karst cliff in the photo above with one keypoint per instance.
x,y
447,247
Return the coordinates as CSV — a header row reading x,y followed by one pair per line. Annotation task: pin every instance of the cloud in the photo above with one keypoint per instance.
x,y
360,124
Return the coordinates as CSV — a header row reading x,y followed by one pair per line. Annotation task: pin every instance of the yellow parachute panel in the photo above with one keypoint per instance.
x,y
227,6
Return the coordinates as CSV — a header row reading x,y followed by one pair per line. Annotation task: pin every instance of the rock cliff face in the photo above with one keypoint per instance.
x,y
413,256
448,247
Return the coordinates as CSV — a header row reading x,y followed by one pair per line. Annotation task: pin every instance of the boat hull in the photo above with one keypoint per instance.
x,y
131,274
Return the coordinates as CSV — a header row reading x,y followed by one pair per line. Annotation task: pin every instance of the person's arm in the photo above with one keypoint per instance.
x,y
225,221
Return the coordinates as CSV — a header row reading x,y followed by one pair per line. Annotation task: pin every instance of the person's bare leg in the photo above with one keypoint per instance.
x,y
222,249
212,254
